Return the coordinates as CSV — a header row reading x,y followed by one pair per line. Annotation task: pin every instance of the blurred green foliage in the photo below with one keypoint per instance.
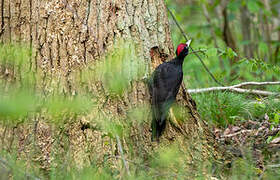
x,y
120,67
16,105
224,108
20,97
193,21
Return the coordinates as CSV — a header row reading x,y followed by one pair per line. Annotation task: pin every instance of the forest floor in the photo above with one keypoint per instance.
x,y
252,142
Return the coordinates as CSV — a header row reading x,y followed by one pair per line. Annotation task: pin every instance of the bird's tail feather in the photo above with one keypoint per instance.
x,y
158,122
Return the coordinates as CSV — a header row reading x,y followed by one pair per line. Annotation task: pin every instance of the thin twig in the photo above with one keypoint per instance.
x,y
198,51
4,135
122,155
186,37
4,163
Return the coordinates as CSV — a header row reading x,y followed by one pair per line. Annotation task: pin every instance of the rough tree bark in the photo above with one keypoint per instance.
x,y
69,34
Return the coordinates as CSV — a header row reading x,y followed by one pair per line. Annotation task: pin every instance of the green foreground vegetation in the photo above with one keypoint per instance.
x,y
26,95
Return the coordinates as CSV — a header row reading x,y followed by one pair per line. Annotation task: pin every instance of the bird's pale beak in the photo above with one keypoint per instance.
x,y
188,43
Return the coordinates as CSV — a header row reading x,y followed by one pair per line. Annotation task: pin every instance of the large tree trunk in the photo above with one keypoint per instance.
x,y
66,35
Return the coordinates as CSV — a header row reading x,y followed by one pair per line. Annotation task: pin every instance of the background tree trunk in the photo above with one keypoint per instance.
x,y
66,35
246,31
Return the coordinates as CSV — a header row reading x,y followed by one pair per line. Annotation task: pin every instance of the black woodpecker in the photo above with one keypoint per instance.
x,y
163,86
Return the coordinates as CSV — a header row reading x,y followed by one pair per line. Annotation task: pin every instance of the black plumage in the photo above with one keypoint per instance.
x,y
164,85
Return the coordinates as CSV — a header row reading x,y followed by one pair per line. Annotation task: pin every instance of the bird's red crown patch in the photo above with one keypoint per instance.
x,y
180,48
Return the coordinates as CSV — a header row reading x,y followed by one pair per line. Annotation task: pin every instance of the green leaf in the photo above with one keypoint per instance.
x,y
231,53
242,61
267,12
269,139
263,47
276,118
212,52
253,6
254,67
233,5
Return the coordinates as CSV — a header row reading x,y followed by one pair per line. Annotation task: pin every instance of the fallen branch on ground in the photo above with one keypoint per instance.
x,y
237,133
256,84
236,88
274,165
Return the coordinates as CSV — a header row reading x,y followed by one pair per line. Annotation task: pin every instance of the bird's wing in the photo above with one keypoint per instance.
x,y
164,80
